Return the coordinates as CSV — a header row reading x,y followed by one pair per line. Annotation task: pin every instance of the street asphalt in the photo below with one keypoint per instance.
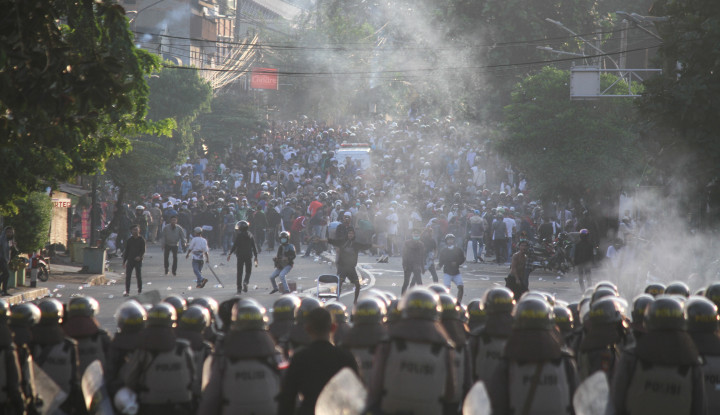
x,y
478,277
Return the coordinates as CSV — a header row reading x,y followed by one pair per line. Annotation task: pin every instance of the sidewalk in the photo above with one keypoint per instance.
x,y
62,272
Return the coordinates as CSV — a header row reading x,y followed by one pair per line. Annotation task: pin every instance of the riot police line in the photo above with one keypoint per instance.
x,y
419,354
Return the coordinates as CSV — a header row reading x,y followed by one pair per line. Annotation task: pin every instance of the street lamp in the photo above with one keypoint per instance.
x,y
639,20
560,25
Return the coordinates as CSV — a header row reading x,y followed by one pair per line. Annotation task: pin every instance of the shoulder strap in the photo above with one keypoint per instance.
x,y
533,387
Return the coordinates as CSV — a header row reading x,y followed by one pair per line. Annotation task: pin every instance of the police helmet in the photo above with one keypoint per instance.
x,y
242,225
477,316
161,315
82,307
369,310
178,302
655,289
601,293
284,307
665,313
379,294
678,288
25,315
499,300
130,316
5,312
248,315
420,303
307,304
713,292
639,304
607,310
439,288
563,318
209,303
196,318
338,311
701,314
450,309
533,314
51,312
607,284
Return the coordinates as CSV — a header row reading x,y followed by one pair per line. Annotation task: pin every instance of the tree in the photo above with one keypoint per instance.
x,y
683,104
177,95
69,92
569,148
230,121
32,222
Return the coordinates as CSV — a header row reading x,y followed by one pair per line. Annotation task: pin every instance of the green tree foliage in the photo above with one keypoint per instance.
x,y
69,91
32,221
683,104
569,148
175,94
230,122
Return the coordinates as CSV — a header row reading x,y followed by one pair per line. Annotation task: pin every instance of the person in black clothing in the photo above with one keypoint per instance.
x,y
430,252
584,258
347,257
245,249
273,218
260,223
312,367
132,258
449,259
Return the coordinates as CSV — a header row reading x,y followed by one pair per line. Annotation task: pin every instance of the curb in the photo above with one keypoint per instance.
x,y
27,295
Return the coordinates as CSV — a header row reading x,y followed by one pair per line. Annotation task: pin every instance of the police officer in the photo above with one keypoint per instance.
x,y
130,318
80,324
537,379
283,262
639,304
245,249
449,259
12,400
712,292
211,332
347,258
662,373
368,330
451,319
298,337
338,311
245,372
24,316
57,355
414,371
564,322
702,325
178,302
313,366
283,317
162,371
655,289
190,328
477,316
488,342
413,260
605,339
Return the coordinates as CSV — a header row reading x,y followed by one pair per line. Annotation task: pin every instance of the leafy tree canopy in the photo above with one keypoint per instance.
x,y
69,92
569,148
32,222
683,104
230,121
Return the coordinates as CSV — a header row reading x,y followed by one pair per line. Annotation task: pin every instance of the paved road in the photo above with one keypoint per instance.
x,y
388,276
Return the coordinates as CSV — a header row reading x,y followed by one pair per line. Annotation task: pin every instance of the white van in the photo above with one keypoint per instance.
x,y
355,151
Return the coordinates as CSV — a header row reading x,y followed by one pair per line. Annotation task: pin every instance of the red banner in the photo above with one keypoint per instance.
x,y
264,78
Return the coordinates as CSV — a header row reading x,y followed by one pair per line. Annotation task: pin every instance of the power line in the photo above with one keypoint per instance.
x,y
445,70
371,47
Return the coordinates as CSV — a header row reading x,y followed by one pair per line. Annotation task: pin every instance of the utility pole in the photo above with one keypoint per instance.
x,y
623,43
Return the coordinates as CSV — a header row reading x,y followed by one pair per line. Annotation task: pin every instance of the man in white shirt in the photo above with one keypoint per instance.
x,y
199,248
